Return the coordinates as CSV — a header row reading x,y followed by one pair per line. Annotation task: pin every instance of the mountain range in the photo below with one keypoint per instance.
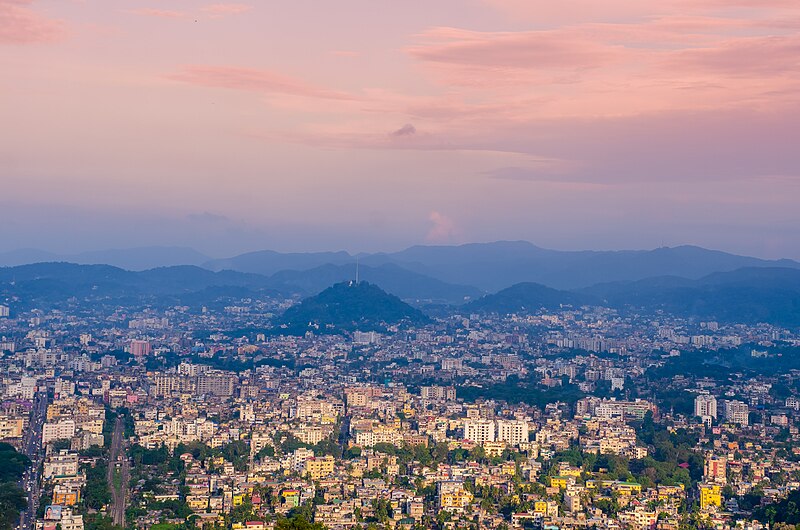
x,y
687,281
747,295
487,267
494,266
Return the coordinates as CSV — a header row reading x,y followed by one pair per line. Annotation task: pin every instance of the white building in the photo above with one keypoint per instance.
x,y
513,432
479,431
63,430
705,405
737,412
438,393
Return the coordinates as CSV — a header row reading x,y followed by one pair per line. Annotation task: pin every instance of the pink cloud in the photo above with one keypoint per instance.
x,y
225,9
254,80
159,13
744,57
523,49
345,53
19,24
443,228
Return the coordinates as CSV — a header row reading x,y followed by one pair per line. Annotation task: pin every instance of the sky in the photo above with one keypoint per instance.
x,y
374,124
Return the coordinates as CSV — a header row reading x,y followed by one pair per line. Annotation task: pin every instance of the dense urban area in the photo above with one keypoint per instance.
x,y
171,417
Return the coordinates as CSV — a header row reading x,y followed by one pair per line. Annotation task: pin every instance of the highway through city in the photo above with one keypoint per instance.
x,y
32,448
118,465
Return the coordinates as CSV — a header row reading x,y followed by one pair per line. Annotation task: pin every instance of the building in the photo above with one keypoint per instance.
x,y
438,393
737,412
11,427
705,406
710,496
63,430
319,467
216,384
364,338
453,496
514,432
715,469
64,463
609,409
479,431
140,348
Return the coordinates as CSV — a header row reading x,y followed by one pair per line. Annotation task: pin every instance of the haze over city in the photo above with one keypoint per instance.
x,y
362,125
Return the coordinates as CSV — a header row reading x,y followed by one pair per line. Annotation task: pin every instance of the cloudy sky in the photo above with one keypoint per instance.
x,y
374,125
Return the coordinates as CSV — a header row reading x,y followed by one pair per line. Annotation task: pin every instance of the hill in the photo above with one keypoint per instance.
x,y
748,295
526,297
410,286
135,259
51,284
348,306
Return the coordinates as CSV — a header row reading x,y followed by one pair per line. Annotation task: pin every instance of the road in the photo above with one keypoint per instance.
x,y
118,464
32,447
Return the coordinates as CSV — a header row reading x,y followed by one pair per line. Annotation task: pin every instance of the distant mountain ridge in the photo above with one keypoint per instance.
x,y
446,273
47,284
747,295
268,262
132,259
55,280
494,266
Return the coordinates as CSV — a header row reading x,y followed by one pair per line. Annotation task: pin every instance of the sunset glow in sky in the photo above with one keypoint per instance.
x,y
374,125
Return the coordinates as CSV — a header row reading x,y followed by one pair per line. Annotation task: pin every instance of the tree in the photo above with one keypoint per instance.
x,y
12,502
12,463
297,522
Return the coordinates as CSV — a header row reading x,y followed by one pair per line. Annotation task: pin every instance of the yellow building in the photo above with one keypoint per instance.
x,y
493,449
627,488
319,467
66,495
710,495
621,487
291,498
457,499
561,482
197,502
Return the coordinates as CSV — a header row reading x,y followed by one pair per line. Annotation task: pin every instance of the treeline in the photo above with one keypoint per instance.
x,y
12,497
513,391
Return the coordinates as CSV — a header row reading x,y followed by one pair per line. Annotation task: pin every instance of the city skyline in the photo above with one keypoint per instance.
x,y
236,126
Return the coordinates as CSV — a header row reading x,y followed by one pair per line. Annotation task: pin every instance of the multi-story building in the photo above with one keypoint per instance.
x,y
715,469
319,467
217,384
737,412
705,406
63,430
438,393
479,431
710,496
514,432
65,463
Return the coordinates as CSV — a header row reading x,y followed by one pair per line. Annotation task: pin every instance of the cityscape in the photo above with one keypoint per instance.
x,y
379,265
352,409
